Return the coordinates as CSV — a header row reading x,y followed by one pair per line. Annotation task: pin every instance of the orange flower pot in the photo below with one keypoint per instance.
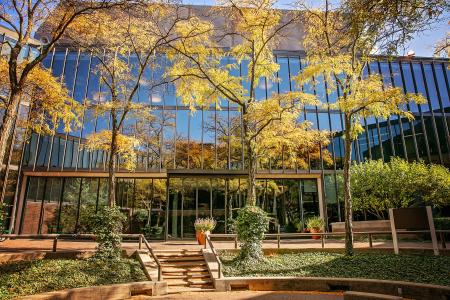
x,y
201,237
315,237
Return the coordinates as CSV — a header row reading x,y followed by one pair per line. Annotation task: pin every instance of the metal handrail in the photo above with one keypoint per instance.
x,y
150,249
323,235
213,250
56,237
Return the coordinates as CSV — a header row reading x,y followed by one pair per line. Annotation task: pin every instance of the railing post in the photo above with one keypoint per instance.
x,y
370,240
323,241
442,236
219,270
140,242
159,273
206,240
55,243
278,237
235,241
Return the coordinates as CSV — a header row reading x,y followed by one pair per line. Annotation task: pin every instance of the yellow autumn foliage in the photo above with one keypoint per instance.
x,y
48,101
126,146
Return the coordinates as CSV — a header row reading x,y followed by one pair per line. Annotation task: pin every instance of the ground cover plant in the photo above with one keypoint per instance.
x,y
375,265
39,276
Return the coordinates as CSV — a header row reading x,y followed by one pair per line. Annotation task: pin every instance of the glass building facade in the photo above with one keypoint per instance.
x,y
192,164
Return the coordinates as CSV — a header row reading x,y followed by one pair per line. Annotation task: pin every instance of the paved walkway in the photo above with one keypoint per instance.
x,y
247,295
20,245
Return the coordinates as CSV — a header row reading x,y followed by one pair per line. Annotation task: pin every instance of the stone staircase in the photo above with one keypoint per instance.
x,y
184,270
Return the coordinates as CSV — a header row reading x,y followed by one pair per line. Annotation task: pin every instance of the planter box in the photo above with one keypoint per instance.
x,y
360,226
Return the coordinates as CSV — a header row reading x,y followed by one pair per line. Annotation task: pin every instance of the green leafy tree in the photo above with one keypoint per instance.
x,y
339,42
377,186
107,226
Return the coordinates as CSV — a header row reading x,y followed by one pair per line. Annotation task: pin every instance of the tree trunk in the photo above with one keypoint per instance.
x,y
251,184
347,193
112,170
8,123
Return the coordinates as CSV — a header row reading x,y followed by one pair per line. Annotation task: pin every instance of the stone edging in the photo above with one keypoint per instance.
x,y
326,284
110,292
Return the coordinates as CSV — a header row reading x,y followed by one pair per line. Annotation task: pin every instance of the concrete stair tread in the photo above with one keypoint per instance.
x,y
188,272
167,270
185,276
181,258
183,264
188,284
176,251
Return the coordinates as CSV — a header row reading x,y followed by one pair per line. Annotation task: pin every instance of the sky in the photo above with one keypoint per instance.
x,y
422,44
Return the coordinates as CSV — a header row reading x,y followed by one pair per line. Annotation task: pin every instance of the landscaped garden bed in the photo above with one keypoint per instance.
x,y
414,268
39,276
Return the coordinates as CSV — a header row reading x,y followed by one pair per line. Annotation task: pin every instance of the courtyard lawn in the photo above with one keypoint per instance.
x,y
415,268
39,276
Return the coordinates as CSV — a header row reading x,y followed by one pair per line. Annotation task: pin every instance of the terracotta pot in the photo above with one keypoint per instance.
x,y
315,237
201,237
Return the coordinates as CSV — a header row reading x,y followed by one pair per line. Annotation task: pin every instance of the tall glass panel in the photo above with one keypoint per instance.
x,y
69,209
189,207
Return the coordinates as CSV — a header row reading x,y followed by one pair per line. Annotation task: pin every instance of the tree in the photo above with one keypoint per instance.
x,y
339,42
204,73
377,186
24,18
49,104
125,42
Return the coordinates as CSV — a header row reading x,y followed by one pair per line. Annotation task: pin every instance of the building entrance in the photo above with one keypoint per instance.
x,y
289,202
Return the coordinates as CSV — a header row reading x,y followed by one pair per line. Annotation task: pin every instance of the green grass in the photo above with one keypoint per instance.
x,y
27,278
415,268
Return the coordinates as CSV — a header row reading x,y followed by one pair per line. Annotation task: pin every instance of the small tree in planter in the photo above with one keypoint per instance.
x,y
107,226
203,226
315,224
251,224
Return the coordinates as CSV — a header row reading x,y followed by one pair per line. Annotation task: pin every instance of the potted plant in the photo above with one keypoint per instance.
x,y
315,224
203,226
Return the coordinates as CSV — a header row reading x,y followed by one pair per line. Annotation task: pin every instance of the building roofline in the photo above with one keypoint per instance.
x,y
12,34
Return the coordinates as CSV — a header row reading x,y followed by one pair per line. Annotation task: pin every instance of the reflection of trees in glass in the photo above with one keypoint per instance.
x,y
146,198
293,153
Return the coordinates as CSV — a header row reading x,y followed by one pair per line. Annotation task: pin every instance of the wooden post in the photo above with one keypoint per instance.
x,y
323,241
432,230
370,240
55,244
442,236
235,241
393,230
140,242
278,237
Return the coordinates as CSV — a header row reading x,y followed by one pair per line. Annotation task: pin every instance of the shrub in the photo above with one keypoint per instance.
x,y
2,216
377,186
251,224
205,224
108,225
315,223
442,223
153,231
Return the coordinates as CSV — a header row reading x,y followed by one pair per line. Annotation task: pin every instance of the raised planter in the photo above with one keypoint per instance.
x,y
110,292
328,284
363,226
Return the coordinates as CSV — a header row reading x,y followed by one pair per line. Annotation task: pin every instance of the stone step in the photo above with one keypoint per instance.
x,y
177,252
185,270
181,258
175,271
185,276
184,264
197,283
